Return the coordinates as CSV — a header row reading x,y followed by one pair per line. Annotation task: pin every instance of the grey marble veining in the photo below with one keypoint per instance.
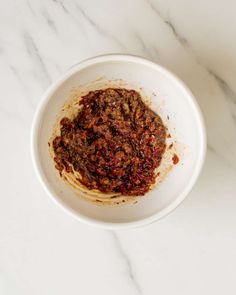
x,y
129,265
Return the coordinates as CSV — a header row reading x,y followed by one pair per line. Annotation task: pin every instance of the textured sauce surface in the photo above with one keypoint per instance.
x,y
115,142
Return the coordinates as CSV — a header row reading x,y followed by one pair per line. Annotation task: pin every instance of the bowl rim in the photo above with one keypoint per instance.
x,y
39,115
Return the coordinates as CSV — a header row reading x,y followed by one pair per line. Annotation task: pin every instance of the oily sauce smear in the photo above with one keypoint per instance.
x,y
115,142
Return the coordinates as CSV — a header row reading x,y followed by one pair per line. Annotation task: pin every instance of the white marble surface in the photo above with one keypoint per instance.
x,y
44,251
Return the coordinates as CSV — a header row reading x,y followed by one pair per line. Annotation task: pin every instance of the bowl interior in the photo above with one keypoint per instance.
x,y
169,98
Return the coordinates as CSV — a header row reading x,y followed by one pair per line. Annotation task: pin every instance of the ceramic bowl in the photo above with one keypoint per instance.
x,y
168,96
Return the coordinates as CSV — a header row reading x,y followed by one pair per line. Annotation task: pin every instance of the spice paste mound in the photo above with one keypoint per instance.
x,y
115,143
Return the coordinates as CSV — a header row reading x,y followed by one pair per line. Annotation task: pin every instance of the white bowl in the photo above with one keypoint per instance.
x,y
170,97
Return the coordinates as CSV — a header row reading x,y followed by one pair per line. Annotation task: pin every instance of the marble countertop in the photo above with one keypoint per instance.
x,y
45,251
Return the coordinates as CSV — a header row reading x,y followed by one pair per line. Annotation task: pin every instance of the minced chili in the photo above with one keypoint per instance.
x,y
115,142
